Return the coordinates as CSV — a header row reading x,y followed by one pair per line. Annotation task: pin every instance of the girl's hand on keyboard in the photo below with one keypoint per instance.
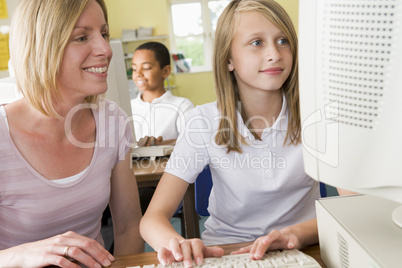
x,y
272,241
185,250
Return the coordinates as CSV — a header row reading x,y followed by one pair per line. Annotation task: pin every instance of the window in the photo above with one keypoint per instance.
x,y
193,27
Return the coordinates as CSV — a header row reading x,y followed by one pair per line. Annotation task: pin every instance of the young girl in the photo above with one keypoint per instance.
x,y
250,138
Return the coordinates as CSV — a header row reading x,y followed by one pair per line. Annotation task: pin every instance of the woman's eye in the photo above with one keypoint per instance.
x,y
256,43
106,36
81,39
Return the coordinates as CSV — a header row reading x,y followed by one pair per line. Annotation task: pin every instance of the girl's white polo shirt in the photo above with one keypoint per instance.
x,y
261,189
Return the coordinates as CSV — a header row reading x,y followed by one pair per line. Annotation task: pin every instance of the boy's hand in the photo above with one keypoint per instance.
x,y
151,141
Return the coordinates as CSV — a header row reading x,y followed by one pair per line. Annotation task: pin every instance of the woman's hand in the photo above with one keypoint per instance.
x,y
272,241
186,250
65,250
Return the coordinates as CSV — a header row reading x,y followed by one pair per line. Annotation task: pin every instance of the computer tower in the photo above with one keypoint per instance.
x,y
358,231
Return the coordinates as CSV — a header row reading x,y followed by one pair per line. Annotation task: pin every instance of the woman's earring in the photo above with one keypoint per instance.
x,y
230,68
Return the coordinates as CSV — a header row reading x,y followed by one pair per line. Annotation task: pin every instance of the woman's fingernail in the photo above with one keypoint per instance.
x,y
106,263
97,265
111,258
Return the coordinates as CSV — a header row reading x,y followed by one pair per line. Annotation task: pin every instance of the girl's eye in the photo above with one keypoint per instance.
x,y
283,41
256,43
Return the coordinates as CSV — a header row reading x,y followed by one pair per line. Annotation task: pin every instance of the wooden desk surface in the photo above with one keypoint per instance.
x,y
151,257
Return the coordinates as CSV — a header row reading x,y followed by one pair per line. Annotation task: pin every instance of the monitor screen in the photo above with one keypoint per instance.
x,y
118,84
350,94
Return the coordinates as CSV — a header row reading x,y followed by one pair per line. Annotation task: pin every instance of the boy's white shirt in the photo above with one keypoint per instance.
x,y
165,116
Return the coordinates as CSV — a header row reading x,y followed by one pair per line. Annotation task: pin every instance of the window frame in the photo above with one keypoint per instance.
x,y
207,34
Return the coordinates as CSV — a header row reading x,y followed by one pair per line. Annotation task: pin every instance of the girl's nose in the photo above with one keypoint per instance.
x,y
273,53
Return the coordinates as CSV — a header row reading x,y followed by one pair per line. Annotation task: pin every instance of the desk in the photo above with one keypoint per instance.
x,y
148,173
151,258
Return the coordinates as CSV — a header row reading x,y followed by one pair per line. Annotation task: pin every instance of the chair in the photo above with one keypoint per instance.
x,y
195,203
202,188
323,190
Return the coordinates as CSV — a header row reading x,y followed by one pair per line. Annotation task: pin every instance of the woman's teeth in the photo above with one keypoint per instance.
x,y
96,70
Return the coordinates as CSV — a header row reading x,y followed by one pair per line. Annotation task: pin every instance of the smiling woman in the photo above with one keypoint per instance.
x,y
64,187
86,56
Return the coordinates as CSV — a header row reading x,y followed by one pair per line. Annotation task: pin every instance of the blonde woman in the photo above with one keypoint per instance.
x,y
64,151
250,138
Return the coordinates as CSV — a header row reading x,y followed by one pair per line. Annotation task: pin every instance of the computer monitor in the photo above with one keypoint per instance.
x,y
118,85
351,95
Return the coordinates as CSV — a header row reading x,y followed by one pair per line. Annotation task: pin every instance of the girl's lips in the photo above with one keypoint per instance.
x,y
272,71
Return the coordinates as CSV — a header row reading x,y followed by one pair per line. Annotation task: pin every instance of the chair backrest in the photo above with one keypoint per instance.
x,y
202,188
323,190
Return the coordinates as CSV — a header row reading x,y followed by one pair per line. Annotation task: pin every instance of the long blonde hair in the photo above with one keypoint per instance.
x,y
40,31
225,82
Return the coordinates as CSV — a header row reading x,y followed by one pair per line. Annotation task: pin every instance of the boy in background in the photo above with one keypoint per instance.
x,y
158,115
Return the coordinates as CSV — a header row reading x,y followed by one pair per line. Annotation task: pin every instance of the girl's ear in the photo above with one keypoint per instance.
x,y
166,71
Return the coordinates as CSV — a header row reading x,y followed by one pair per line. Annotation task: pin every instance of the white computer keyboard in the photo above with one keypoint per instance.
x,y
284,258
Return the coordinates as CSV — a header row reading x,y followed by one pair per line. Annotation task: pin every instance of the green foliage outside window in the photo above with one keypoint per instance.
x,y
193,48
